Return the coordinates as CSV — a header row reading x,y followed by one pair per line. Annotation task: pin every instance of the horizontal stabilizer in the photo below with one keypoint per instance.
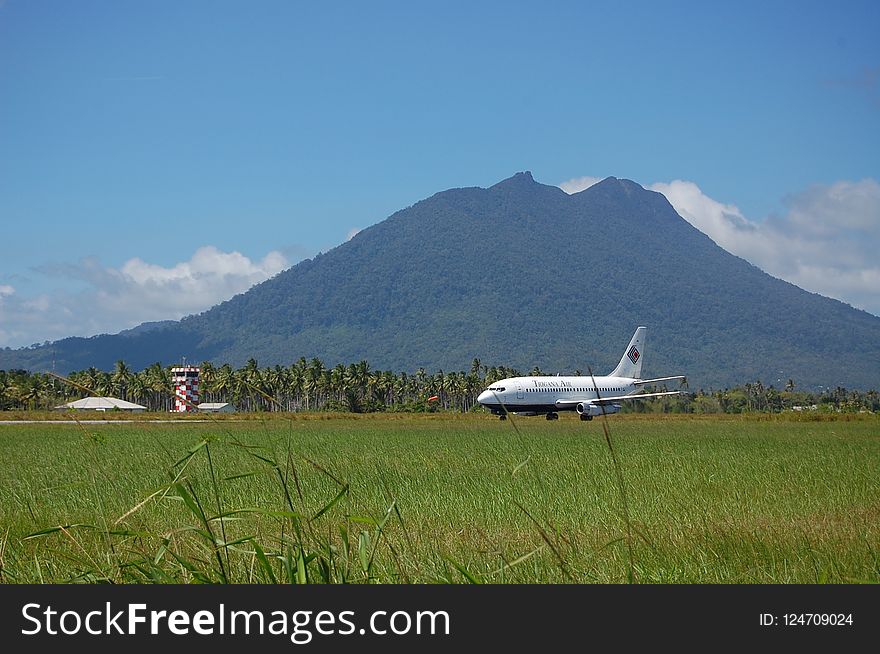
x,y
642,382
611,400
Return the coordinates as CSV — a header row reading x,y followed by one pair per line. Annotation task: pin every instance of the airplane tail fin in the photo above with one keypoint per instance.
x,y
631,363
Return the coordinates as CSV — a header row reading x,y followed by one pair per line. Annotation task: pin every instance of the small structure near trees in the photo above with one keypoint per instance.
x,y
216,407
100,404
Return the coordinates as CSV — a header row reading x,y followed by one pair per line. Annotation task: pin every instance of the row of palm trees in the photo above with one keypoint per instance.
x,y
303,386
311,386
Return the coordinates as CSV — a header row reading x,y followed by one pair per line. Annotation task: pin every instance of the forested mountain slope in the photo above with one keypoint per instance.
x,y
524,275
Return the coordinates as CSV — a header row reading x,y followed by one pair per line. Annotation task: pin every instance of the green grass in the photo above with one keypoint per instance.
x,y
442,498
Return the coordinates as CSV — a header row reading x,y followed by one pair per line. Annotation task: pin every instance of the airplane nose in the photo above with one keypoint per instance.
x,y
484,397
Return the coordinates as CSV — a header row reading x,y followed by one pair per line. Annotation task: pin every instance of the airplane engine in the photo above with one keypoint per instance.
x,y
593,410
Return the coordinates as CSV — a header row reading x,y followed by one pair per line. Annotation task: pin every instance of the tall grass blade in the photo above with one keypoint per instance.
x,y
263,560
464,571
621,485
342,493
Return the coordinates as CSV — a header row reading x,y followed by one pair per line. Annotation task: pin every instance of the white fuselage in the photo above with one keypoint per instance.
x,y
549,394
590,396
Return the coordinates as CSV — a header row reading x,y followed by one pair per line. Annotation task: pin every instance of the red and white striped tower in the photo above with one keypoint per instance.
x,y
186,387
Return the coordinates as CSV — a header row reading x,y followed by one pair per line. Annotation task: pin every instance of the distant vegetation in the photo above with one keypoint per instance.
x,y
312,386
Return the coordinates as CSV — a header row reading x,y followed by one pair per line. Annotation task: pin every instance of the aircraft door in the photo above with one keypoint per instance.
x,y
519,391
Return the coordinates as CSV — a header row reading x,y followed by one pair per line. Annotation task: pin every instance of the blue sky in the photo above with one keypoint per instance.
x,y
158,157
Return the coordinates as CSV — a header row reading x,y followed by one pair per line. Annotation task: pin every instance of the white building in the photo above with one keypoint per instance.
x,y
216,407
101,404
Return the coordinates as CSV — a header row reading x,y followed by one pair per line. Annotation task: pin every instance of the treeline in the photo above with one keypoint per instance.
x,y
311,386
303,386
756,398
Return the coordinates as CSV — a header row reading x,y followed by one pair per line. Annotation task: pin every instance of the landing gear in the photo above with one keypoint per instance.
x,y
552,416
584,416
502,417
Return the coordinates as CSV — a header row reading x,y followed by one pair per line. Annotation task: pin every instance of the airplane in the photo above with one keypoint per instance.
x,y
589,396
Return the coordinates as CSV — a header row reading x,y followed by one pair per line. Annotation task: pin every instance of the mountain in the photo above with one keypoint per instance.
x,y
146,327
524,275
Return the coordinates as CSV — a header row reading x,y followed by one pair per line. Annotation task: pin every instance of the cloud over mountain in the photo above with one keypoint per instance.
x,y
579,184
112,299
825,241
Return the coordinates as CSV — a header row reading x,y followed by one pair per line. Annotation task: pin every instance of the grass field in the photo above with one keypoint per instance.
x,y
442,498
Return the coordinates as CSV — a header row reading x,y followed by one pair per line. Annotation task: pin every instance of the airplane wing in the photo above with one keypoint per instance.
x,y
612,400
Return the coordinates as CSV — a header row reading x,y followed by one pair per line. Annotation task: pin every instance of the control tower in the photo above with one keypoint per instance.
x,y
186,388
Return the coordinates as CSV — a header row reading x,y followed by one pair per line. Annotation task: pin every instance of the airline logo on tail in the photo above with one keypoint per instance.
x,y
633,354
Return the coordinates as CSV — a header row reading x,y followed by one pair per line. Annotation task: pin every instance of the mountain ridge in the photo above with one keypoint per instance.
x,y
522,274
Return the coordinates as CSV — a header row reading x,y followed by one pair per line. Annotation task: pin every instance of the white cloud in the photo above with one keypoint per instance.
x,y
352,233
138,291
578,184
825,242
37,304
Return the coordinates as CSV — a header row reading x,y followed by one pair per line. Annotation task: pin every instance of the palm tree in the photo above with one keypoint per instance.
x,y
92,378
206,381
760,394
338,382
7,391
438,387
296,380
314,381
158,381
273,385
401,388
475,367
121,379
358,377
749,390
222,382
388,385
31,391
137,389
250,379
